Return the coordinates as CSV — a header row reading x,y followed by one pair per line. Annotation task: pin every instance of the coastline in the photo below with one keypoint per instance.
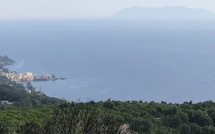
x,y
22,77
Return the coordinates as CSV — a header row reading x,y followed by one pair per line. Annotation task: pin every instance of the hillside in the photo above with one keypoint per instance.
x,y
4,60
111,117
23,98
15,94
164,13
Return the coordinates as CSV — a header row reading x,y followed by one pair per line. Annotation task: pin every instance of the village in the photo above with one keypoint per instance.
x,y
26,77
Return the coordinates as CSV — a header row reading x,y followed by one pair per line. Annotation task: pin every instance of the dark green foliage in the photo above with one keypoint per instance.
x,y
16,117
81,118
212,115
110,124
184,128
183,117
108,118
91,118
3,127
108,104
66,118
207,130
195,128
6,81
30,128
50,127
142,125
22,98
202,119
171,121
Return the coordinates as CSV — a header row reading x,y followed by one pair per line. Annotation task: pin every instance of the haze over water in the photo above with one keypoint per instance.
x,y
113,60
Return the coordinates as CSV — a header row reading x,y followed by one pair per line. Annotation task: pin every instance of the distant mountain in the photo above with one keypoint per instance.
x,y
164,13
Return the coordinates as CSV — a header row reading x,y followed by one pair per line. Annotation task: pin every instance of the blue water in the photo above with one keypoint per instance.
x,y
122,64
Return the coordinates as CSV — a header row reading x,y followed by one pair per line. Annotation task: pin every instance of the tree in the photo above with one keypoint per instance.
x,y
3,127
171,121
108,104
30,128
75,118
183,116
29,86
195,128
67,117
50,127
202,119
110,124
91,118
141,125
184,128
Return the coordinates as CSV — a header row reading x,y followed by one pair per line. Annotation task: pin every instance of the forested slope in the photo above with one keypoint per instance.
x,y
109,117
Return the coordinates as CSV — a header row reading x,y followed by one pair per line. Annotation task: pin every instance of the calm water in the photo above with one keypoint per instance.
x,y
122,64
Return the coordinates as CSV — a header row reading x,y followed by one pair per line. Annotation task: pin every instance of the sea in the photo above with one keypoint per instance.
x,y
116,59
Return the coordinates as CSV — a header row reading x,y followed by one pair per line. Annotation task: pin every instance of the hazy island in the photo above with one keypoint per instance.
x,y
168,12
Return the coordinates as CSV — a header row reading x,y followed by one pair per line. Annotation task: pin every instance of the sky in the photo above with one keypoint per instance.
x,y
86,8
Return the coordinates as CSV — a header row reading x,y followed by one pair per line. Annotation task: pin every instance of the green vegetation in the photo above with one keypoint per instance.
x,y
22,98
6,81
35,113
15,93
14,118
111,117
